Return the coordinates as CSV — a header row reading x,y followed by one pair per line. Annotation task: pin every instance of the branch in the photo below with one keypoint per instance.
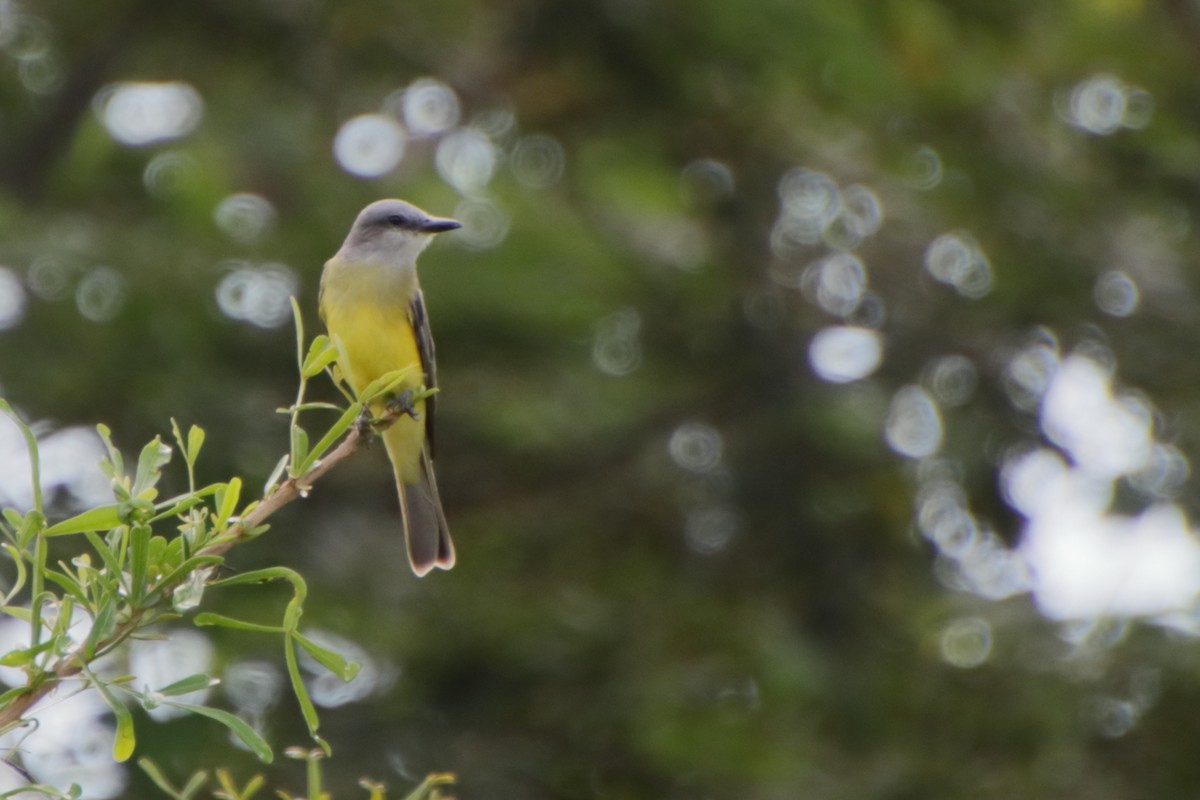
x,y
286,492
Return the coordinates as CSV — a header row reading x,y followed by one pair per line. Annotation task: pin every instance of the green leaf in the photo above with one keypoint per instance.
x,y
102,628
334,662
104,551
22,573
307,709
100,518
150,463
14,518
385,384
314,406
208,618
115,462
195,784
32,448
192,683
139,561
262,576
298,318
19,658
332,435
195,441
227,500
239,727
275,475
69,585
125,740
299,446
321,353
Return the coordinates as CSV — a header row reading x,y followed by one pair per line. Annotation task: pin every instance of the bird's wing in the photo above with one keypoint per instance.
x,y
420,325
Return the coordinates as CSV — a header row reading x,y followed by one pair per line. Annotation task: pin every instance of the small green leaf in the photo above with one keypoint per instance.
x,y
193,683
321,353
195,441
332,435
299,446
227,501
385,384
125,740
262,576
104,551
334,662
238,726
19,581
307,709
139,561
102,628
208,618
153,457
32,448
116,462
19,658
195,784
14,518
299,320
276,474
100,518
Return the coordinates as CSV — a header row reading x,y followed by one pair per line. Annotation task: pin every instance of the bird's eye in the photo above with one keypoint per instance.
x,y
395,220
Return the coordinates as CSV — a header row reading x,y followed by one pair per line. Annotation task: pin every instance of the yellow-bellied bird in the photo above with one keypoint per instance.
x,y
371,304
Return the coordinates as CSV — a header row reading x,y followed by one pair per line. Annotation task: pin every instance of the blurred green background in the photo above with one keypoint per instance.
x,y
693,561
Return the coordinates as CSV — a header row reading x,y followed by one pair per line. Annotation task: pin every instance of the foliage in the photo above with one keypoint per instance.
x,y
688,565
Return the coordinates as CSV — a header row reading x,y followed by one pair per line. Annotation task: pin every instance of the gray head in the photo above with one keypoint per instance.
x,y
393,231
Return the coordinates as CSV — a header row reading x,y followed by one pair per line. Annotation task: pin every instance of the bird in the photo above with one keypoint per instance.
x,y
374,312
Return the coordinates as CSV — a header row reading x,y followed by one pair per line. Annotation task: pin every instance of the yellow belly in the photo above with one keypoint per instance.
x,y
373,340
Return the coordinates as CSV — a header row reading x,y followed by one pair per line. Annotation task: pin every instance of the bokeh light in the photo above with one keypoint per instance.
x,y
253,687
427,106
167,173
967,642
537,161
466,159
695,447
1105,435
12,299
245,217
616,345
138,114
914,424
100,294
484,224
257,294
1103,104
923,169
841,354
955,259
369,145
706,181
710,530
69,460
952,379
1116,294
836,283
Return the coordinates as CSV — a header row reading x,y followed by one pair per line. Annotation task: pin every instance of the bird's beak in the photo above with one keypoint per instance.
x,y
439,225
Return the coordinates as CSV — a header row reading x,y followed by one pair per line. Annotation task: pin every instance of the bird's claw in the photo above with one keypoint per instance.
x,y
401,405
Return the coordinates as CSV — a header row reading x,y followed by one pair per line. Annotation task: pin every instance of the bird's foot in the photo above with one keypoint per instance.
x,y
394,409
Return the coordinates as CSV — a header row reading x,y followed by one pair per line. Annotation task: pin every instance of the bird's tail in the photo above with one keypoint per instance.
x,y
425,529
